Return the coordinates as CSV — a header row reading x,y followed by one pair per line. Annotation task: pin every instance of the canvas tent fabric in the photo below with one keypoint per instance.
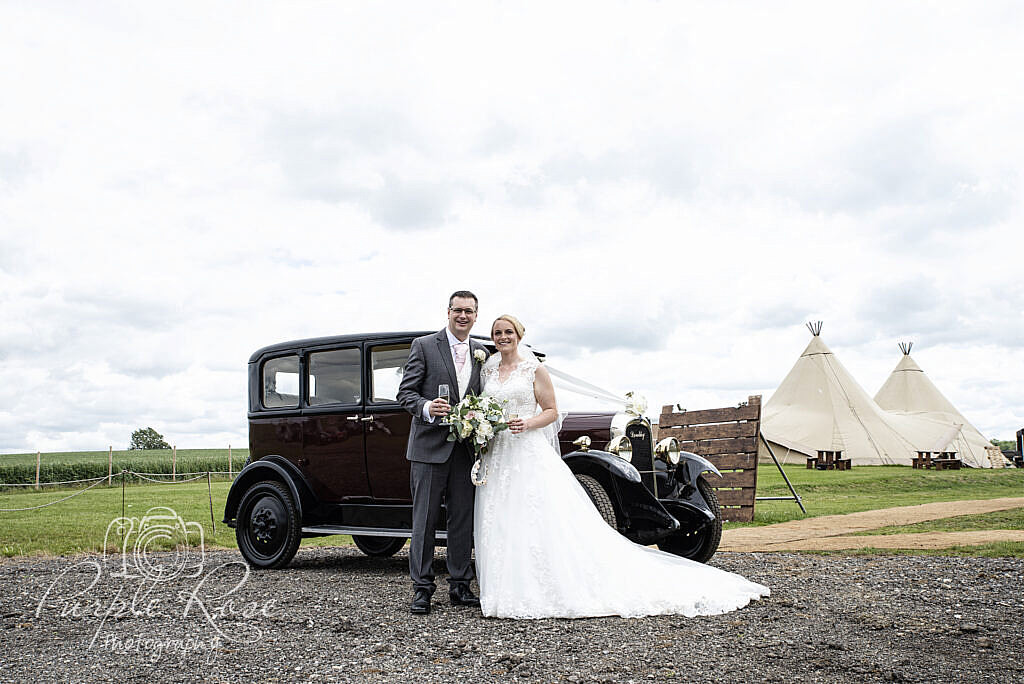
x,y
820,406
908,391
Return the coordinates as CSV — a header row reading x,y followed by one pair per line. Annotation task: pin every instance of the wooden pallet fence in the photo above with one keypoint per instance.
x,y
728,438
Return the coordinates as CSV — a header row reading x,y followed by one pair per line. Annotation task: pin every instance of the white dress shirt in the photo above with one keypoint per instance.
x,y
452,341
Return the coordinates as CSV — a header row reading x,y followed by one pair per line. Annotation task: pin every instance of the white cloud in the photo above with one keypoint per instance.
x,y
663,193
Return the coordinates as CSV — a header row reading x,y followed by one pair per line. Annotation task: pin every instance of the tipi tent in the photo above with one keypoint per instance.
x,y
819,406
909,392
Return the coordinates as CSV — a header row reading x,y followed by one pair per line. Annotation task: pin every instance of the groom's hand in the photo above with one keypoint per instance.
x,y
440,407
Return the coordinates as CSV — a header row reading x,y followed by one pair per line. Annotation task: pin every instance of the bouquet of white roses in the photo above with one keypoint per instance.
x,y
476,420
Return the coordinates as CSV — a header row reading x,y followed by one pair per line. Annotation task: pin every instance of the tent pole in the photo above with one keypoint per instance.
x,y
795,497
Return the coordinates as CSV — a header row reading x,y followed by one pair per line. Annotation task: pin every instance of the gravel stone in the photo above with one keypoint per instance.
x,y
335,615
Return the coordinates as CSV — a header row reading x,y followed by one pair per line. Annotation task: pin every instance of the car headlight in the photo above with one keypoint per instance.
x,y
621,447
668,450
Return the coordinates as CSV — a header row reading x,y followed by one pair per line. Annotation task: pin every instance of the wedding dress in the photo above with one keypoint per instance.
x,y
543,550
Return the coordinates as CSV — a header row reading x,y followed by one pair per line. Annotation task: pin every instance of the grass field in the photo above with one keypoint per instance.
x,y
999,520
78,524
79,465
828,492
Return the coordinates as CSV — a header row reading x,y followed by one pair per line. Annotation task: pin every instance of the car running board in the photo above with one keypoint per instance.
x,y
366,531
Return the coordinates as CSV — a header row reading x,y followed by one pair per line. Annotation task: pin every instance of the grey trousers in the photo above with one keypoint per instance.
x,y
430,483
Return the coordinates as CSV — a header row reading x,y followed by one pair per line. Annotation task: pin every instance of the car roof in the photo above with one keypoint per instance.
x,y
332,340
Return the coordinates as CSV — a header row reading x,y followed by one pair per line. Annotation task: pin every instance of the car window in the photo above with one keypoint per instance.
x,y
334,377
388,365
281,382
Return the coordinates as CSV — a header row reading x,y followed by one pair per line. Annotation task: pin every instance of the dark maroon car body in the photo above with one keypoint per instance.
x,y
327,444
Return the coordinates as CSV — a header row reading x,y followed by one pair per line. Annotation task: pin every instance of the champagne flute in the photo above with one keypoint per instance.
x,y
511,416
444,392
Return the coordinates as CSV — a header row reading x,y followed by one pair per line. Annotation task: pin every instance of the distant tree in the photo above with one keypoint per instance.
x,y
148,438
1004,444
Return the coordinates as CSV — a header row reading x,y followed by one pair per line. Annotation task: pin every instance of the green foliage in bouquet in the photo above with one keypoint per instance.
x,y
476,420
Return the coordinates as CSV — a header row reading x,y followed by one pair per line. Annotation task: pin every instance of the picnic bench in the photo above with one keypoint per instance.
x,y
922,460
828,460
938,460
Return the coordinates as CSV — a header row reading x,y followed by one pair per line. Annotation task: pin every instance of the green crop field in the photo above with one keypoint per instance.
x,y
80,465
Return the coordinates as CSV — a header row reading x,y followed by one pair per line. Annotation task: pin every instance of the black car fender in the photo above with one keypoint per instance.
x,y
690,509
633,502
608,462
269,468
686,502
691,466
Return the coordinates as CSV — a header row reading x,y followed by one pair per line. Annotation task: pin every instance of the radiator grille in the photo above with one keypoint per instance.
x,y
639,435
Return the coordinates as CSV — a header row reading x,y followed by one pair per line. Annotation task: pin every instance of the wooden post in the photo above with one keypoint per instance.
x,y
37,469
174,463
209,489
229,460
110,465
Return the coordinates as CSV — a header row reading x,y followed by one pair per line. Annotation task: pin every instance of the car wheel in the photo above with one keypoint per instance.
x,y
701,544
268,529
602,502
379,547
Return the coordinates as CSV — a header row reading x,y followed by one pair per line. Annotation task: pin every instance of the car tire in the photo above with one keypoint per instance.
x,y
379,547
268,529
602,502
701,545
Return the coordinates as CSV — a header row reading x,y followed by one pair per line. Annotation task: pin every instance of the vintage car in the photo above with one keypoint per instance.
x,y
327,442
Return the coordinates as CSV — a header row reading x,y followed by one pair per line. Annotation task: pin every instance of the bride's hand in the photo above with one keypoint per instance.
x,y
517,425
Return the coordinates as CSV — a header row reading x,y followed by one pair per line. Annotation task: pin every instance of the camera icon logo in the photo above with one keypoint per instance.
x,y
160,529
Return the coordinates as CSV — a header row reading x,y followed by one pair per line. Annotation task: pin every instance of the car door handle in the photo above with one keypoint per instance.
x,y
366,419
352,418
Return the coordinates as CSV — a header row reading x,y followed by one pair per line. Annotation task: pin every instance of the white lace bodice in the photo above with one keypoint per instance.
x,y
516,391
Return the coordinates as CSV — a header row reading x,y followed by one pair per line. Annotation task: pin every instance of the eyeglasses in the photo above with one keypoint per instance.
x,y
460,311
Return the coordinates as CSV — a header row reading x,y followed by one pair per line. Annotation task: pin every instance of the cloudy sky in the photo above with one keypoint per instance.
x,y
663,192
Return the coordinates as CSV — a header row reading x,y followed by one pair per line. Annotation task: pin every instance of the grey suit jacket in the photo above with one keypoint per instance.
x,y
430,364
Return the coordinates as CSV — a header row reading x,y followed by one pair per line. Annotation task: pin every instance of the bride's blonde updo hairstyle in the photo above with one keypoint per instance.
x,y
520,330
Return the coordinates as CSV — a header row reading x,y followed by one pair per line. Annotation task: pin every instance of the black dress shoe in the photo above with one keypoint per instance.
x,y
462,596
420,602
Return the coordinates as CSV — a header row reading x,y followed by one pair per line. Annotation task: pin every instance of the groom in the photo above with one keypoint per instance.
x,y
439,467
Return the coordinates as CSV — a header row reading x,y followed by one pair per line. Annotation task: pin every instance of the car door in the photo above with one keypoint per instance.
x,y
333,460
387,425
275,426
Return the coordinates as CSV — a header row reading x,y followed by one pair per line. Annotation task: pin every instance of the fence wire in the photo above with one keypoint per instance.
x,y
123,475
143,476
70,496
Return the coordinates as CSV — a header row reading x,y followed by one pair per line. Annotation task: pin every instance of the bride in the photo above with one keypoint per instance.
x,y
542,549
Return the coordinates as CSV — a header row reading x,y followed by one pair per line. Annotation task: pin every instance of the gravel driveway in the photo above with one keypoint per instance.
x,y
335,615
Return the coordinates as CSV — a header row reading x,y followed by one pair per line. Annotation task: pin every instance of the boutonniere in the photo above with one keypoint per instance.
x,y
480,355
